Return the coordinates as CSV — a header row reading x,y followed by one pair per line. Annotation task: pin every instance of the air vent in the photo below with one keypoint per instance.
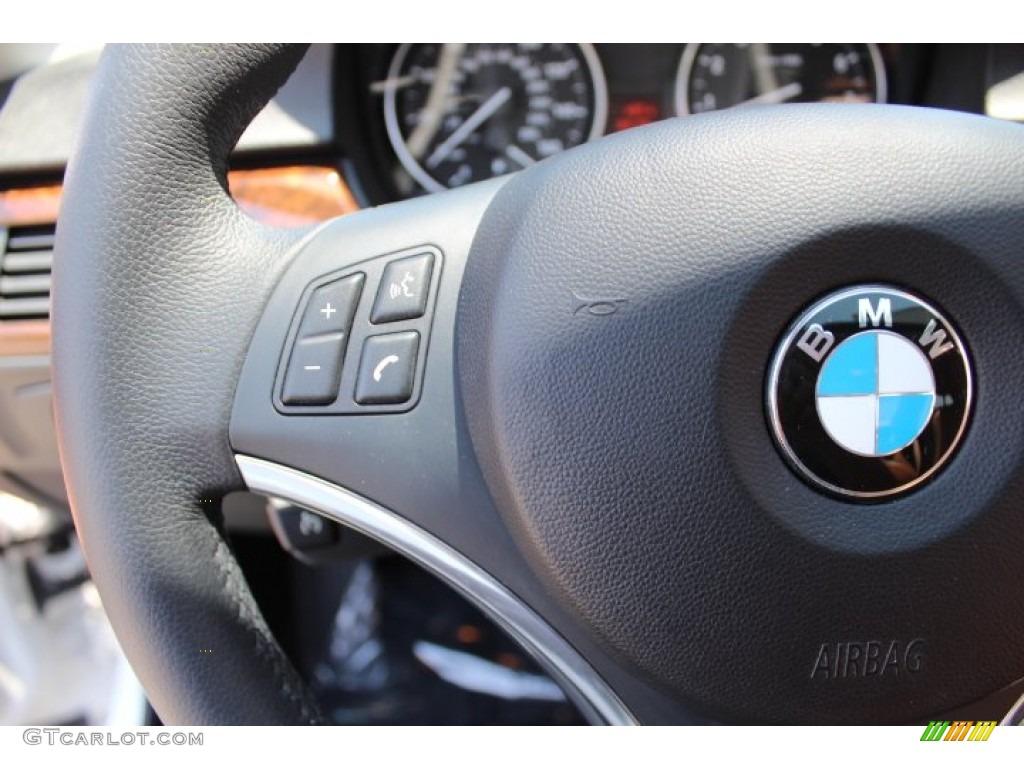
x,y
25,263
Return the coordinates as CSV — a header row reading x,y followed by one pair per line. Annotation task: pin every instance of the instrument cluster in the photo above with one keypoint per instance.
x,y
434,116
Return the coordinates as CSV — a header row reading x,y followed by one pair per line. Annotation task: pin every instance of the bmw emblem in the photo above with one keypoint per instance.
x,y
869,393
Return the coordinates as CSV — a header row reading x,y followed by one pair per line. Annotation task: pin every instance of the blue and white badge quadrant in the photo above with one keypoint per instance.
x,y
875,393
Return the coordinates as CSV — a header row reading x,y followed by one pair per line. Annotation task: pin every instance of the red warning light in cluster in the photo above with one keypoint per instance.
x,y
633,113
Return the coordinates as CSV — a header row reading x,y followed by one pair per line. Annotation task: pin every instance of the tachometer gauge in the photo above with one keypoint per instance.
x,y
459,113
720,75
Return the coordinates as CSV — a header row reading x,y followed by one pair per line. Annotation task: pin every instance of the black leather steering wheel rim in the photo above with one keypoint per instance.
x,y
141,408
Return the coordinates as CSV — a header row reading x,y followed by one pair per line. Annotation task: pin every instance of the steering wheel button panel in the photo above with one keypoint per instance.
x,y
330,307
313,370
402,294
346,306
388,369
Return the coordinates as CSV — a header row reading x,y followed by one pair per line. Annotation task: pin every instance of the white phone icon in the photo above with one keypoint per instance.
x,y
382,365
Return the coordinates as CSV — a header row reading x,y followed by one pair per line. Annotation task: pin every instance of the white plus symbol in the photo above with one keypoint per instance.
x,y
328,310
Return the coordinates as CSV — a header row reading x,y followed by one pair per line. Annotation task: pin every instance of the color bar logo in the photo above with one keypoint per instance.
x,y
959,730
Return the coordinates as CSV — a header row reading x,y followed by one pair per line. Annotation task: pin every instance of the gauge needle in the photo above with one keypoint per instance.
x,y
392,83
470,124
519,155
764,72
434,109
774,96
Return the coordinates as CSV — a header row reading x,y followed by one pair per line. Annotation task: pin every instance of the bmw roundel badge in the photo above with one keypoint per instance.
x,y
869,392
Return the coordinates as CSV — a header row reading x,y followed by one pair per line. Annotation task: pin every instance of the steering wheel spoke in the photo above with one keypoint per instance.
x,y
350,374
398,466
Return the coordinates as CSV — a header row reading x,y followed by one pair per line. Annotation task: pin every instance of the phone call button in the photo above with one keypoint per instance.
x,y
387,368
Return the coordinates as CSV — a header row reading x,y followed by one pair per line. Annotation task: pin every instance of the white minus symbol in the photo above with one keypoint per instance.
x,y
312,367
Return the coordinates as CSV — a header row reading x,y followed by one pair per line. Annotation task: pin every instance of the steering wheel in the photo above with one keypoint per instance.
x,y
550,390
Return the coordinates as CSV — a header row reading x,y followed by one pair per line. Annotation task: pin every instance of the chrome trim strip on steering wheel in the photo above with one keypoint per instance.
x,y
597,702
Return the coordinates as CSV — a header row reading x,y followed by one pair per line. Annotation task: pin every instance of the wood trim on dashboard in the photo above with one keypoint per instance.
x,y
36,205
292,196
24,338
288,196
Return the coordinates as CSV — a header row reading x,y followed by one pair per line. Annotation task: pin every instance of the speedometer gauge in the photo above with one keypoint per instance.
x,y
720,75
461,113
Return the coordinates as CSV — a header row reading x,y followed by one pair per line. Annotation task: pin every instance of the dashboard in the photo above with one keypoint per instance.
x,y
432,116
